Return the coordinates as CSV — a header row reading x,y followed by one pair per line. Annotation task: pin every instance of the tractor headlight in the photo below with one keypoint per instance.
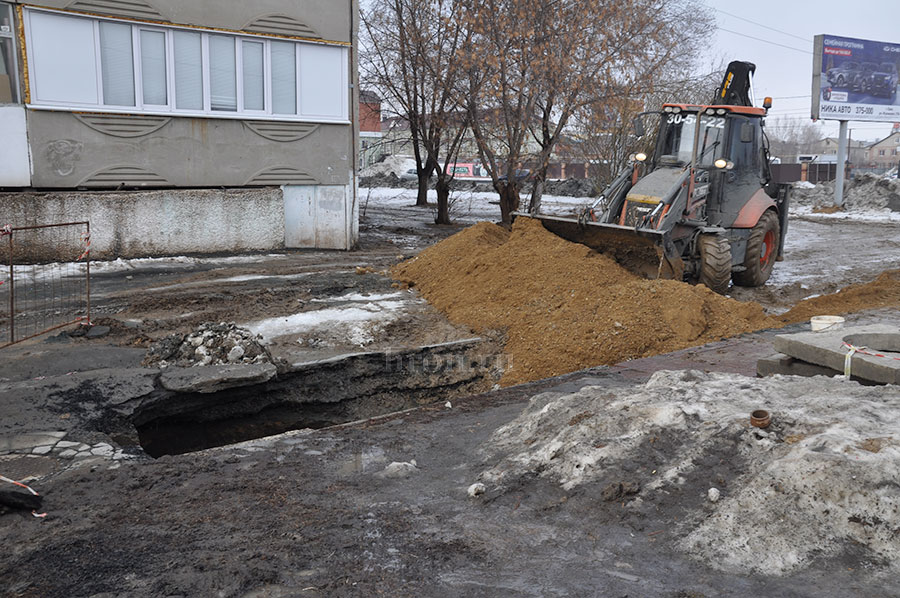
x,y
721,111
720,163
640,156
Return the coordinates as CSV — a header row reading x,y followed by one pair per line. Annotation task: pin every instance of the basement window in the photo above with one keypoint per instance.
x,y
78,62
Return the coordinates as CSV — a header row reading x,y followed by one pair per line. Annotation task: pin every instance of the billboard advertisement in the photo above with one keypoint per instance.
x,y
855,79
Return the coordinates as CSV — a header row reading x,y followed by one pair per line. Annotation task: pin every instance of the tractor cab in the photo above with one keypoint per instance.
x,y
723,147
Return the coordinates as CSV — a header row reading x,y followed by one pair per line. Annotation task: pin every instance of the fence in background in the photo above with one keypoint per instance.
x,y
46,283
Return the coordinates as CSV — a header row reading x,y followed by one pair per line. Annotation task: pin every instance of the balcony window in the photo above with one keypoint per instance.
x,y
113,65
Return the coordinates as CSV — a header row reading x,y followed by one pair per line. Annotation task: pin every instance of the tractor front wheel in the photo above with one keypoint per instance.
x,y
762,250
715,262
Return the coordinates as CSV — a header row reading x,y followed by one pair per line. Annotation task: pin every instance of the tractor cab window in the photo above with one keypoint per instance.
x,y
744,149
677,138
712,140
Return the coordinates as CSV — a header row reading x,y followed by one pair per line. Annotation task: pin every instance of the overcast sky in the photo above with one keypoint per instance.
x,y
784,73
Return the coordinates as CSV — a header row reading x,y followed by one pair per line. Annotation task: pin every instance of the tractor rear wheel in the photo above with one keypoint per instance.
x,y
715,262
762,250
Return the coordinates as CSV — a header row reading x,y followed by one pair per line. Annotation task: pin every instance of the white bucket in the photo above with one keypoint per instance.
x,y
822,323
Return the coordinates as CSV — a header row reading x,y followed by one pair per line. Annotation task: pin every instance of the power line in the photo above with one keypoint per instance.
x,y
759,39
761,25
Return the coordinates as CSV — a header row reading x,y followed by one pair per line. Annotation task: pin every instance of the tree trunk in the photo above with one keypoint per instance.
x,y
537,193
442,187
422,195
424,180
509,201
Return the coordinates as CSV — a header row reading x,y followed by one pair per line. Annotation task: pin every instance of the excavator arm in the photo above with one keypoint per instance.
x,y
736,86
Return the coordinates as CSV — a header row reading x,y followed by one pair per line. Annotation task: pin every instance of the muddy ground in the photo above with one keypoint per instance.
x,y
320,513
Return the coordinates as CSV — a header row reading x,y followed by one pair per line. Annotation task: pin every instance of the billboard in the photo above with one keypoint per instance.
x,y
855,79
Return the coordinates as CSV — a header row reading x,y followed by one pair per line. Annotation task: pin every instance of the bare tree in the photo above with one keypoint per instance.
x,y
408,53
790,137
604,127
620,53
499,95
533,63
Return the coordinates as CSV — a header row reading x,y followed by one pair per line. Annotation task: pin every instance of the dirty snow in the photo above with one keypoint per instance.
x,y
391,165
822,478
866,197
356,322
850,213
74,269
481,205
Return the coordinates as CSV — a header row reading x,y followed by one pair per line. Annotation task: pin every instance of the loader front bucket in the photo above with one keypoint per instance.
x,y
646,252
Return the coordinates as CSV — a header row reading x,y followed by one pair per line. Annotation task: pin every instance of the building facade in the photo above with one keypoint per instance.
x,y
179,95
885,154
370,146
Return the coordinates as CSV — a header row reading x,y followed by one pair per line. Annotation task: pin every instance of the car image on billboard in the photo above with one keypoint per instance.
x,y
855,79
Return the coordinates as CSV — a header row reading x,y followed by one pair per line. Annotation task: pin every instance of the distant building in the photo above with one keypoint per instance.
x,y
856,150
884,154
370,146
158,99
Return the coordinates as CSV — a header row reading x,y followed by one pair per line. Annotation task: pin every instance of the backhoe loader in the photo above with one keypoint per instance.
x,y
701,206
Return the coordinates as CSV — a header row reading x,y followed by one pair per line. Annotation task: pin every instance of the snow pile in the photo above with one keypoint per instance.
x,y
352,319
865,192
822,478
210,344
395,165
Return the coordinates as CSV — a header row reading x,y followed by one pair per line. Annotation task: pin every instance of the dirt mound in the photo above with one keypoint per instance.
x,y
884,291
563,306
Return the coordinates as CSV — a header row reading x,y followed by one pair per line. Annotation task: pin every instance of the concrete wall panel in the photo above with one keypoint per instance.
x,y
153,223
326,19
79,151
300,216
320,217
15,166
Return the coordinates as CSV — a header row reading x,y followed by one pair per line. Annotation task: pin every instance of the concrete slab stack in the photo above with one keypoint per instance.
x,y
872,353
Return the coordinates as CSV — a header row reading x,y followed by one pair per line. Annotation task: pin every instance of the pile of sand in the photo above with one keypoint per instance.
x,y
884,291
563,306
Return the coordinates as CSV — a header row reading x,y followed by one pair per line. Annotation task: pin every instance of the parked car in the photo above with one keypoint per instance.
x,y
409,175
843,75
863,81
521,175
883,80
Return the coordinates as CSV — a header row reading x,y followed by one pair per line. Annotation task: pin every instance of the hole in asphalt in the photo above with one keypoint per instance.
x,y
325,394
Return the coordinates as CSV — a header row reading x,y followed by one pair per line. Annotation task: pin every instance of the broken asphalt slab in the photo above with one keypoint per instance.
x,y
215,378
873,360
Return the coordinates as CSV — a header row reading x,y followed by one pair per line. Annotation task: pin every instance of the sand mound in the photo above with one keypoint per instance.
x,y
820,480
884,291
563,306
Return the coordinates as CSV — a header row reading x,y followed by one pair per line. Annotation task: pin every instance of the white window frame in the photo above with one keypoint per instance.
x,y
139,69
169,109
14,47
